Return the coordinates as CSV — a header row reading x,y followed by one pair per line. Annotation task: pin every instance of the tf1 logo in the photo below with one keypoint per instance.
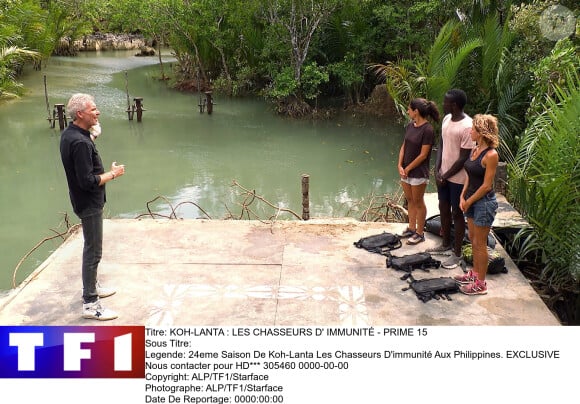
x,y
72,352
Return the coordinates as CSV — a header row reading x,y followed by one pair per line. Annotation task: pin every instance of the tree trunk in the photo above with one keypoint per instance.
x,y
163,77
224,66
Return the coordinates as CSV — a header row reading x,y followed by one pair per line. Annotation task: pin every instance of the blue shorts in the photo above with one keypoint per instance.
x,y
450,192
483,211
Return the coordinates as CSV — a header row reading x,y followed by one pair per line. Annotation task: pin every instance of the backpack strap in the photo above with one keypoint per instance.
x,y
389,260
425,297
409,278
398,245
387,250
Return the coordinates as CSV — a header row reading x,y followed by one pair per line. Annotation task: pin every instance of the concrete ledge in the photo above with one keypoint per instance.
x,y
213,272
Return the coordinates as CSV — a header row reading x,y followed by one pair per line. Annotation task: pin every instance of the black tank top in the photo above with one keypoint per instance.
x,y
476,174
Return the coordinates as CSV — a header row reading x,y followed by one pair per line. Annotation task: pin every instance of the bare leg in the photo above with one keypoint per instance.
x,y
480,258
411,209
420,207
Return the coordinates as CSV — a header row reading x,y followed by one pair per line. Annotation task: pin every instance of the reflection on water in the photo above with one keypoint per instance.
x,y
177,153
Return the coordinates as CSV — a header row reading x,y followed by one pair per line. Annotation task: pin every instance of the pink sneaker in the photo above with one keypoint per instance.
x,y
464,279
476,288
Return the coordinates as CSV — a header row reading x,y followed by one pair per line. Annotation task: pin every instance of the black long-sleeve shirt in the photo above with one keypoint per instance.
x,y
83,167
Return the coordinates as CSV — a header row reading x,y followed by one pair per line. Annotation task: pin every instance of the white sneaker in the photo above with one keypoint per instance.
x,y
105,292
95,311
452,262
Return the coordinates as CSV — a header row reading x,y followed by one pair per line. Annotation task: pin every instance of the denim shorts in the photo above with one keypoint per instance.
x,y
483,211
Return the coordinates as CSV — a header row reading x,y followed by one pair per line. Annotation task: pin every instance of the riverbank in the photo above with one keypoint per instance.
x,y
379,103
104,42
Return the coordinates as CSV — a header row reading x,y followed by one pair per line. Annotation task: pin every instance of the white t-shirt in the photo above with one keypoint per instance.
x,y
455,136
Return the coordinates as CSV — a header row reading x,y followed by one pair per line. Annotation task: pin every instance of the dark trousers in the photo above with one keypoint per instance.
x,y
449,197
92,222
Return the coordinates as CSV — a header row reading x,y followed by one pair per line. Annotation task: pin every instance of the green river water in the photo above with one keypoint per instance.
x,y
176,153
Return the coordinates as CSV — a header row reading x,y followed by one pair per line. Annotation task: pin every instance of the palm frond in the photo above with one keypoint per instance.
x,y
440,49
401,83
447,68
546,184
14,53
496,39
511,100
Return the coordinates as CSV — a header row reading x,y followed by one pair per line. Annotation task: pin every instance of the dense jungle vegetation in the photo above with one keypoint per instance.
x,y
297,53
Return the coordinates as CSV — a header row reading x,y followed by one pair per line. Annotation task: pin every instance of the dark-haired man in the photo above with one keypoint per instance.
x,y
454,149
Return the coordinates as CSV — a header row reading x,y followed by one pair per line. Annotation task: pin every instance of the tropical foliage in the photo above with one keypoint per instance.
x,y
16,31
11,59
433,77
545,180
31,30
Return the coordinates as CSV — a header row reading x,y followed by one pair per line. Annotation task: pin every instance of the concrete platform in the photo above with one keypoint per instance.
x,y
289,273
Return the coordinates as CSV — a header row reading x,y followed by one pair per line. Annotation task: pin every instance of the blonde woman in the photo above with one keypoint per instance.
x,y
478,201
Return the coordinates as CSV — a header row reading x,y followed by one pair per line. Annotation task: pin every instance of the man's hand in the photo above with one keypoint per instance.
x,y
440,180
117,170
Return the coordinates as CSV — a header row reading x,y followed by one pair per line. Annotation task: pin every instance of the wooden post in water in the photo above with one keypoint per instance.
x,y
139,107
50,120
305,197
61,116
208,102
201,104
130,111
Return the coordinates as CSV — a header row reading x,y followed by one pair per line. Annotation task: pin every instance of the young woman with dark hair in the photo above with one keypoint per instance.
x,y
413,164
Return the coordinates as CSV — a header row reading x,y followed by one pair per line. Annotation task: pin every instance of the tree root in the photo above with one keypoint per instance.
x,y
250,197
173,214
381,208
64,235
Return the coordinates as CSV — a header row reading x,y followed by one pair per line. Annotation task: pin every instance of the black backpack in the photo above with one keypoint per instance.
x,y
433,288
433,226
380,243
407,263
495,264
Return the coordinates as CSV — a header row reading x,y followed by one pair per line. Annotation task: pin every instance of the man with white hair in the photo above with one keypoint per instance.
x,y
86,178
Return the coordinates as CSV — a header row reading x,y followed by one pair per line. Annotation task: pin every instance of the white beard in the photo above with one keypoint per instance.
x,y
95,131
